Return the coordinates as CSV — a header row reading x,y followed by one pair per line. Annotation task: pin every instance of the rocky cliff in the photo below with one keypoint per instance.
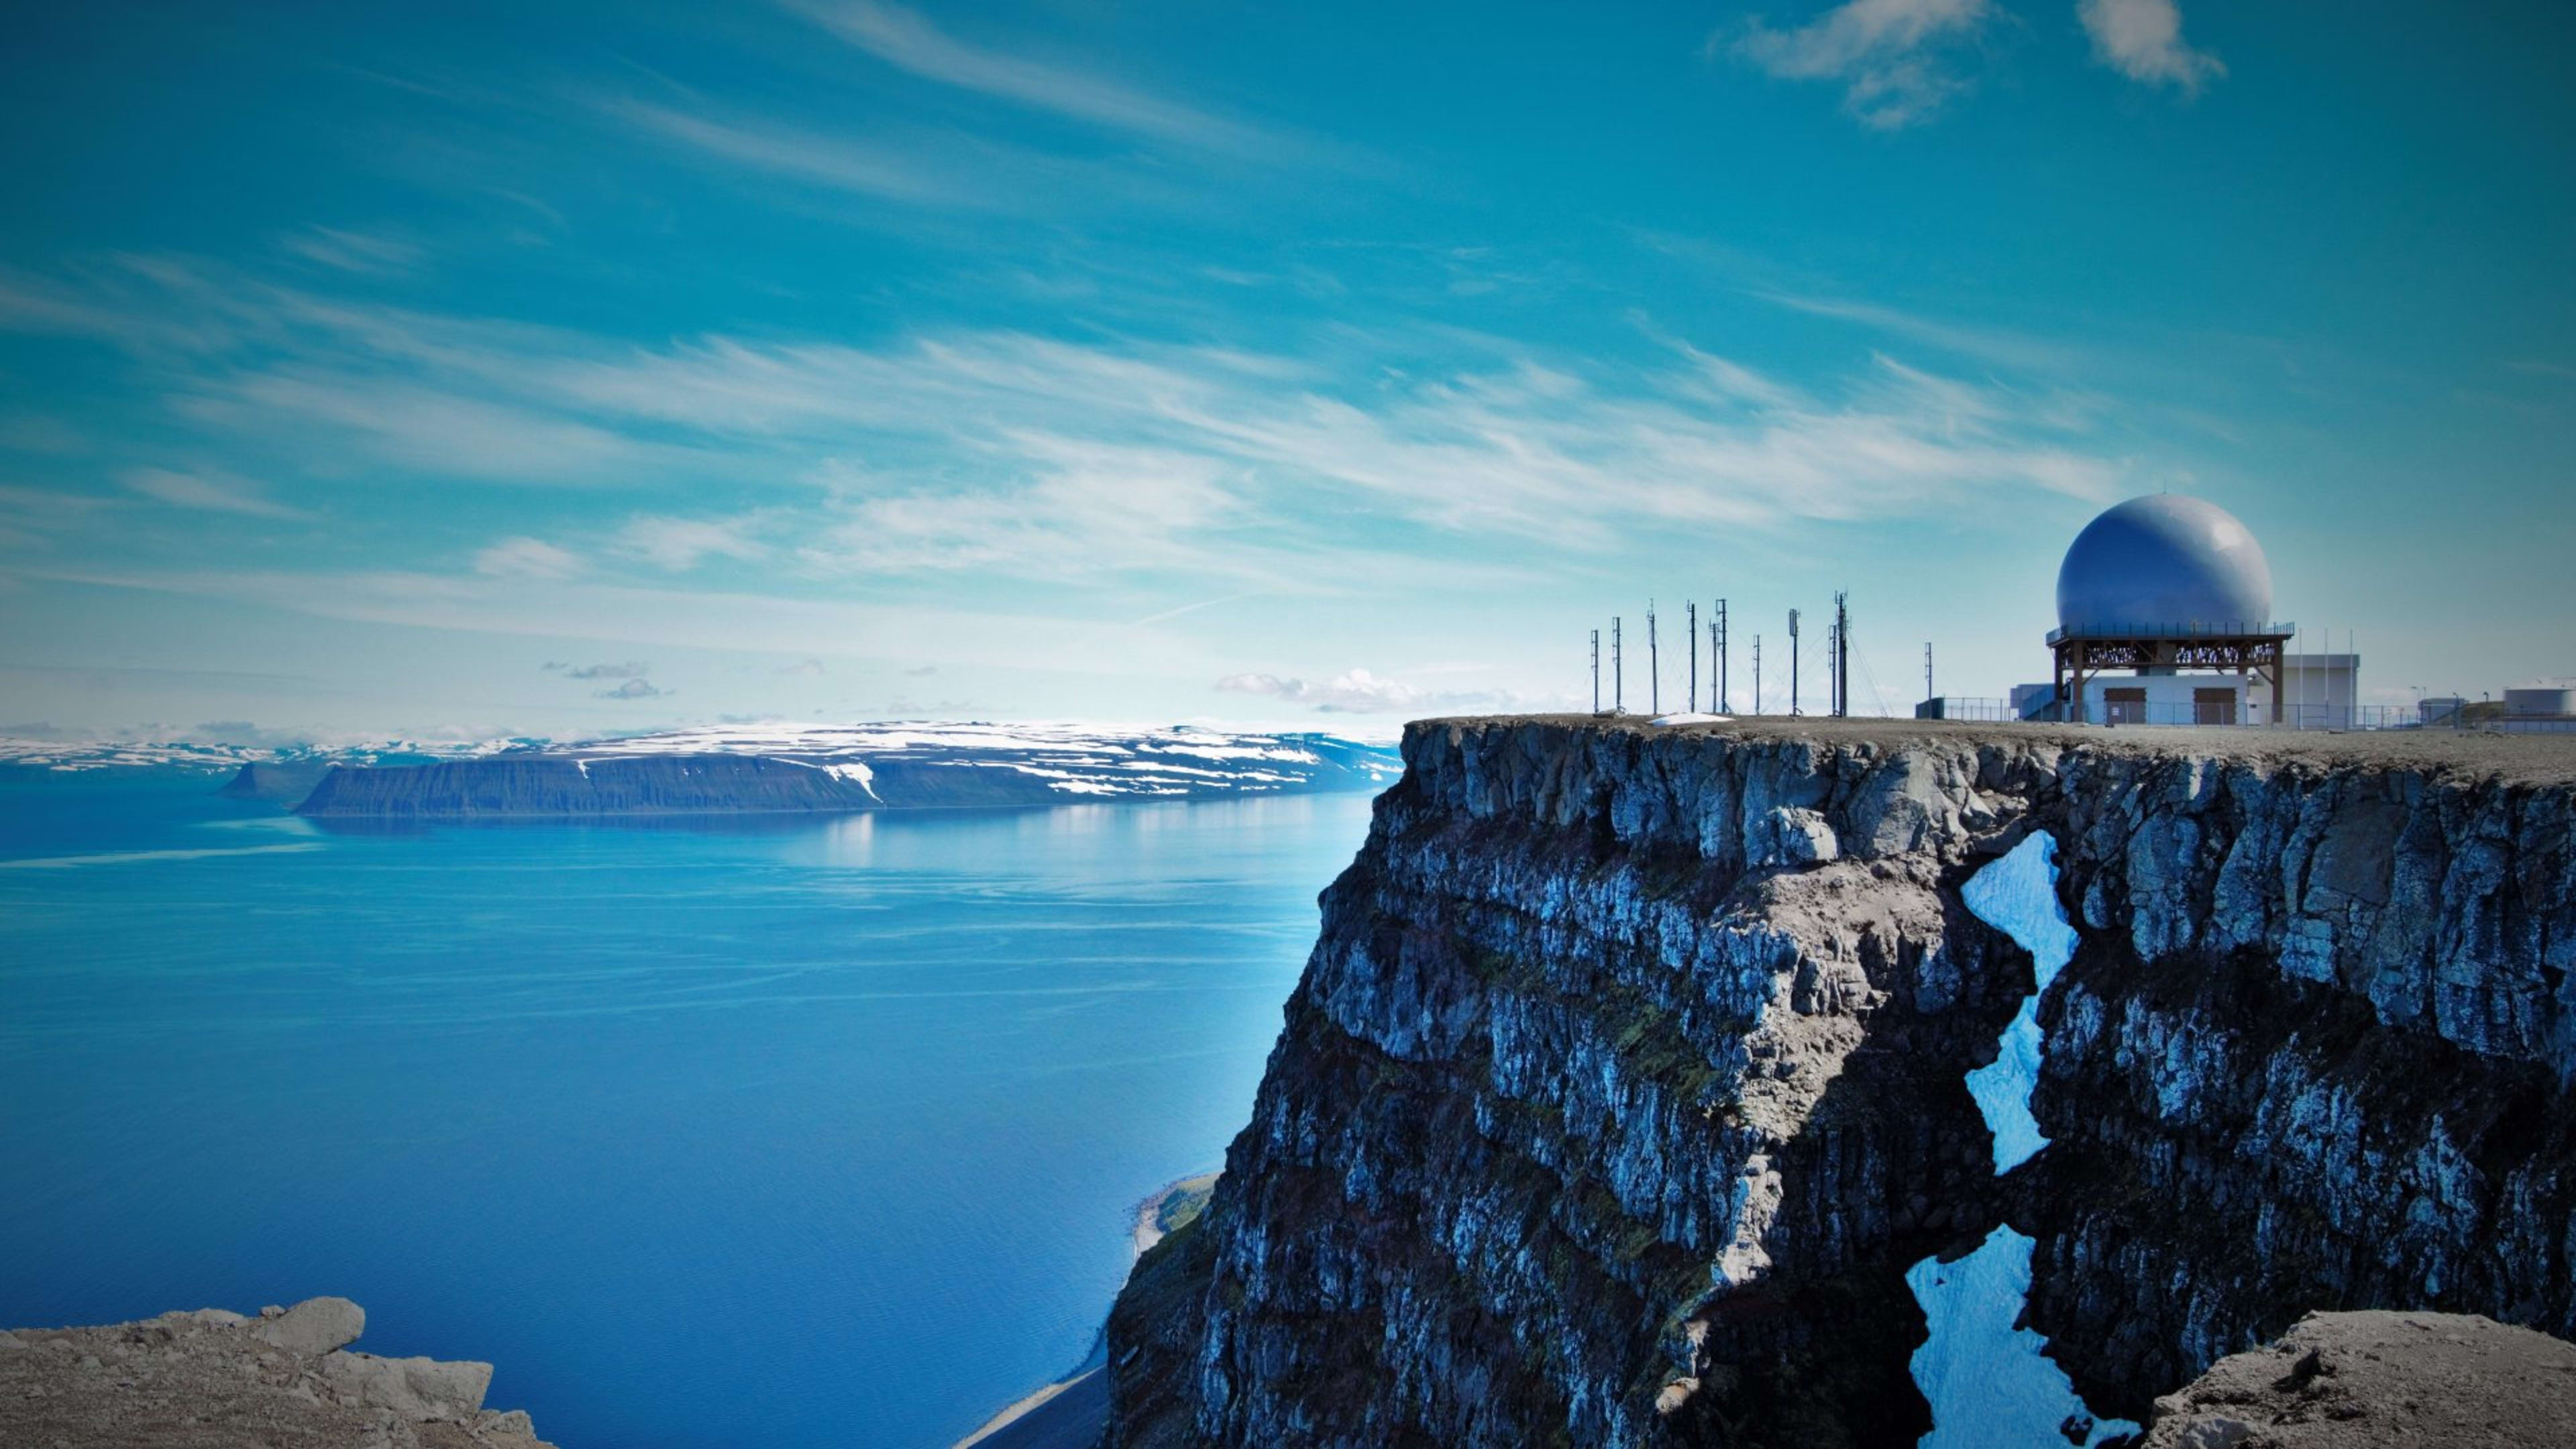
x,y
1628,1081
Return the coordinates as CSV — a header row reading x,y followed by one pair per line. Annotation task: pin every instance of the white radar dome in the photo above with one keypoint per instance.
x,y
2161,564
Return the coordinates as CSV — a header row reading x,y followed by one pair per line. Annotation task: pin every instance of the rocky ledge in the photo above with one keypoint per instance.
x,y
2381,1380
212,1379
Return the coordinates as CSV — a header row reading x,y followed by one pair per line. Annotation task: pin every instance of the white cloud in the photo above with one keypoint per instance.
x,y
213,492
631,669
903,38
352,251
631,689
526,558
1897,60
2142,39
839,162
1030,458
1354,691
679,544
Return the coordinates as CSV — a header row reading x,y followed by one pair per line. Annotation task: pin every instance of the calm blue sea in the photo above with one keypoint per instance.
x,y
820,1132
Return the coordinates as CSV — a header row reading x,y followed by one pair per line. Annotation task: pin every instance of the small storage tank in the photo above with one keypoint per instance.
x,y
2540,701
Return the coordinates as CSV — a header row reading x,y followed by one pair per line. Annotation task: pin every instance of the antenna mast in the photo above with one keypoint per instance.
x,y
1927,670
1690,646
1842,657
1793,663
1618,671
1596,671
1654,666
1718,627
1757,674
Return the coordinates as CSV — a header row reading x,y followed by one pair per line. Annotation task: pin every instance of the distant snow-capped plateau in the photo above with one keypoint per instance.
x,y
764,767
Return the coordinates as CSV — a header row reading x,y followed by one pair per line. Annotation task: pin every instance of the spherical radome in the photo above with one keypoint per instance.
x,y
2161,563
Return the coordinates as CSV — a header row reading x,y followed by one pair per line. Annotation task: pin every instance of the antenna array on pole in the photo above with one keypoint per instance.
x,y
1793,663
1842,657
1596,671
1654,667
1690,646
1618,671
1717,627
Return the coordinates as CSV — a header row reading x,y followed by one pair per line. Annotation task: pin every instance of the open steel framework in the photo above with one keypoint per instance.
x,y
2250,651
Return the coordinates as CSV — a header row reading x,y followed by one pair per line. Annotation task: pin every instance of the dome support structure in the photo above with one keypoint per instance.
x,y
2252,652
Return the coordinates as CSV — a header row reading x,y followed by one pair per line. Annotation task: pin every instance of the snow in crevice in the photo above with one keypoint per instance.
x,y
1989,1384
1987,1379
2017,895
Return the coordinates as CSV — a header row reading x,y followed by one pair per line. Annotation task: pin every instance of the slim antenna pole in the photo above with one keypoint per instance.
x,y
1690,646
1596,671
1927,670
1757,674
1618,671
1833,648
1720,626
1842,657
1654,666
1793,664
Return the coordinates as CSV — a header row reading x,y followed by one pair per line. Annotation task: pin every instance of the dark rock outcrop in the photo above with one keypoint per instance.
x,y
1626,1079
281,781
212,1379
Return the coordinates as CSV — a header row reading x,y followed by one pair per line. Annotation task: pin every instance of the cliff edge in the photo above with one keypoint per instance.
x,y
1627,1095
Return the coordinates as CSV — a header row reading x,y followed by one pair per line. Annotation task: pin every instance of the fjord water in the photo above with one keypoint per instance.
x,y
748,1132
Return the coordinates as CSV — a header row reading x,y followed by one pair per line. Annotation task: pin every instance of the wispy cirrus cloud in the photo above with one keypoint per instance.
x,y
526,558
1898,61
2142,39
677,544
1035,458
367,253
841,162
214,492
906,39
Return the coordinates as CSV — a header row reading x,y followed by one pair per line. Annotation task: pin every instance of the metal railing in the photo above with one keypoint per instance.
x,y
2241,629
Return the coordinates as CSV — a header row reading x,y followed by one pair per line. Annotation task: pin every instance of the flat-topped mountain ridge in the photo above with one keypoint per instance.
x,y
902,765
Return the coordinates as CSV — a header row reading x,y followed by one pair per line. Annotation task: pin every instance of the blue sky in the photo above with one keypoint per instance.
x,y
585,367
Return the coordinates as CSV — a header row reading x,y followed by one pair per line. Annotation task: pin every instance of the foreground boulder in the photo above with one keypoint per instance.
x,y
213,1379
2355,1379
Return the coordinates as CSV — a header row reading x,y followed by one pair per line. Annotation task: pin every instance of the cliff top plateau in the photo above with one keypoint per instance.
x,y
2537,759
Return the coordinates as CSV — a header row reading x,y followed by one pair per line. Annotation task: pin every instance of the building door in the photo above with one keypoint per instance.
x,y
2213,706
2124,706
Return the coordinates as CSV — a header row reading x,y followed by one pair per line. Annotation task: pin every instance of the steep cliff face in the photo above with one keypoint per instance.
x,y
1627,1079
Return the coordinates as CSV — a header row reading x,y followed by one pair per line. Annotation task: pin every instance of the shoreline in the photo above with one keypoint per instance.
x,y
1156,1216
